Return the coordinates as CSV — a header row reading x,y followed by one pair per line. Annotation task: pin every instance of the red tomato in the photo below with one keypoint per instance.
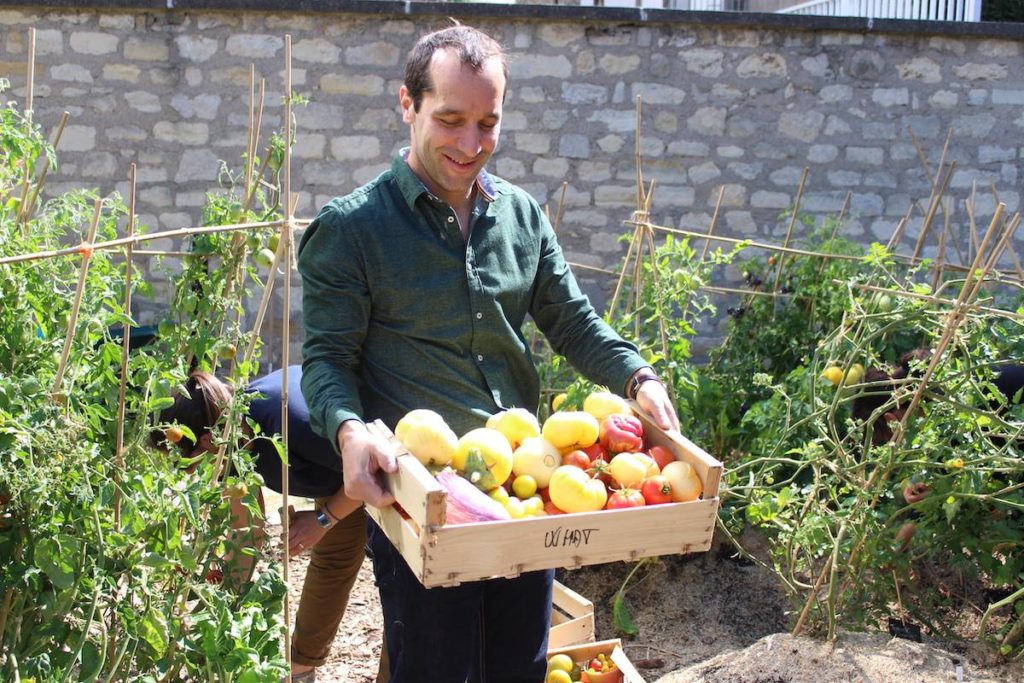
x,y
552,509
544,494
596,451
625,498
661,455
621,433
656,490
577,458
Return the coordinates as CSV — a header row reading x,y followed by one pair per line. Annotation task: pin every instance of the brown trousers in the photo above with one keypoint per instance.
x,y
334,564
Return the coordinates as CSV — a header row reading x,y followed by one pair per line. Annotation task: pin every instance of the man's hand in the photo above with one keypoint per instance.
x,y
654,399
364,459
916,492
304,531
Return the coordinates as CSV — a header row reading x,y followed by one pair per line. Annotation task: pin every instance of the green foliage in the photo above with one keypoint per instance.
x,y
104,565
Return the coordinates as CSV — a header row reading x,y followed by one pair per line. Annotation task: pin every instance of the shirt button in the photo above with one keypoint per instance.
x,y
451,219
479,315
479,358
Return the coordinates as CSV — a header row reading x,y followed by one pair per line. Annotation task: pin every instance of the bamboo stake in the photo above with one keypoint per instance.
x,y
956,316
1009,247
897,234
940,259
250,150
792,222
125,348
934,205
30,78
561,208
286,240
972,241
26,209
835,229
714,221
121,241
86,251
812,597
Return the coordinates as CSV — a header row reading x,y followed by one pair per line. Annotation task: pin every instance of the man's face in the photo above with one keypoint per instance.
x,y
456,129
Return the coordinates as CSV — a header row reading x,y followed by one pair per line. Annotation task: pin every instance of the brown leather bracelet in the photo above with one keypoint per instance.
x,y
642,375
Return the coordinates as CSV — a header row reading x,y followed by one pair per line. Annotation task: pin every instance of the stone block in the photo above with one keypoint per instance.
x,y
554,119
801,125
182,132
551,168
349,147
584,94
703,173
93,42
574,146
740,222
765,65
822,154
616,121
891,97
199,107
745,171
763,199
708,121
666,122
880,179
1011,97
865,155
254,45
143,101
532,143
593,171
361,85
309,145
924,69
509,168
980,72
988,154
124,134
316,50
74,73
834,126
658,93
999,48
787,176
973,126
561,34
730,152
129,73
117,22
146,49
944,99
379,53
840,178
616,65
615,196
611,144
195,48
514,120
320,116
197,164
526,67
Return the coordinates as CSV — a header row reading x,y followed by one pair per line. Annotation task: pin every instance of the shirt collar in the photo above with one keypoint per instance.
x,y
412,187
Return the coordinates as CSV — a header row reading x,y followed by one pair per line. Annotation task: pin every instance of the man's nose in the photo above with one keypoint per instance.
x,y
469,143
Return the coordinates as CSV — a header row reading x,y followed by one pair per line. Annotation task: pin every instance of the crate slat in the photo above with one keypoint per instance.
x,y
572,617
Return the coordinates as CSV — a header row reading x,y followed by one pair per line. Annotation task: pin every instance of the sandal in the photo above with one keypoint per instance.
x,y
305,676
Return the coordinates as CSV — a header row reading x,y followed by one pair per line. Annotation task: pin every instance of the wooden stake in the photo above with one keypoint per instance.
x,y
636,158
286,240
789,229
714,221
29,206
932,208
561,208
86,250
125,348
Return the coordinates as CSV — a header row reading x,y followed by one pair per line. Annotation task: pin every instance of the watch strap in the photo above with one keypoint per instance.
x,y
323,519
642,375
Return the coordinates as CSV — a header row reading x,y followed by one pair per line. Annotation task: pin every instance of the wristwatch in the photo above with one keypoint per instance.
x,y
642,375
323,519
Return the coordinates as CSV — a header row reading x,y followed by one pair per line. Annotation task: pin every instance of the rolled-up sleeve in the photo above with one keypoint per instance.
x,y
336,309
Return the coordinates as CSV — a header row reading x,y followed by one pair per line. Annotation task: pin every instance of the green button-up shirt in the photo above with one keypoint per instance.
x,y
401,312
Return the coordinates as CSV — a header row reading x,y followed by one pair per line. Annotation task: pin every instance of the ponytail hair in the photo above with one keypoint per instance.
x,y
199,408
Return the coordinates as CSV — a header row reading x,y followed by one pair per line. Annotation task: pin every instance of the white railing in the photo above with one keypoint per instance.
x,y
936,10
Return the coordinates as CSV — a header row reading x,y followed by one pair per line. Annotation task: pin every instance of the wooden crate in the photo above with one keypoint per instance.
x,y
612,648
572,618
442,555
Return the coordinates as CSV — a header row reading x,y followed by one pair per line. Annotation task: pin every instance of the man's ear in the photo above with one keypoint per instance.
x,y
405,101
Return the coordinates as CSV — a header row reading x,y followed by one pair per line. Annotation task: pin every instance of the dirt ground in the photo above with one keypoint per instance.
x,y
701,617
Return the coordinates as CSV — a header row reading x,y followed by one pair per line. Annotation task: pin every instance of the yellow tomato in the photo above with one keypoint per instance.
x,y
558,400
572,490
560,662
516,424
833,374
559,676
569,430
686,484
427,436
524,486
630,469
493,448
854,374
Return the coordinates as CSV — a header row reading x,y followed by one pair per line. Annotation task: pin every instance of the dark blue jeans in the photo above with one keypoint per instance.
x,y
493,631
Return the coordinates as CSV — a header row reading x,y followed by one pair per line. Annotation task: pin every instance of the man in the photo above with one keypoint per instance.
x,y
415,289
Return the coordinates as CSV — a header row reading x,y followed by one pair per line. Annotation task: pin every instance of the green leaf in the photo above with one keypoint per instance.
x,y
154,631
160,403
621,616
55,562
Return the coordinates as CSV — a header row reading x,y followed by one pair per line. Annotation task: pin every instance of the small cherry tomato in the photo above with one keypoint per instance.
x,y
173,434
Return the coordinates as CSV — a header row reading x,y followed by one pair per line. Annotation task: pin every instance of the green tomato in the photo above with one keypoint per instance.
x,y
264,257
273,241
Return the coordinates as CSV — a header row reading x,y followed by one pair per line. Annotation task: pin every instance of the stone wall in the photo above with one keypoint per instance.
x,y
742,102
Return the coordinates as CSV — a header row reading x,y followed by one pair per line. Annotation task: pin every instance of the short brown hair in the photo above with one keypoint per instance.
x,y
473,46
198,408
